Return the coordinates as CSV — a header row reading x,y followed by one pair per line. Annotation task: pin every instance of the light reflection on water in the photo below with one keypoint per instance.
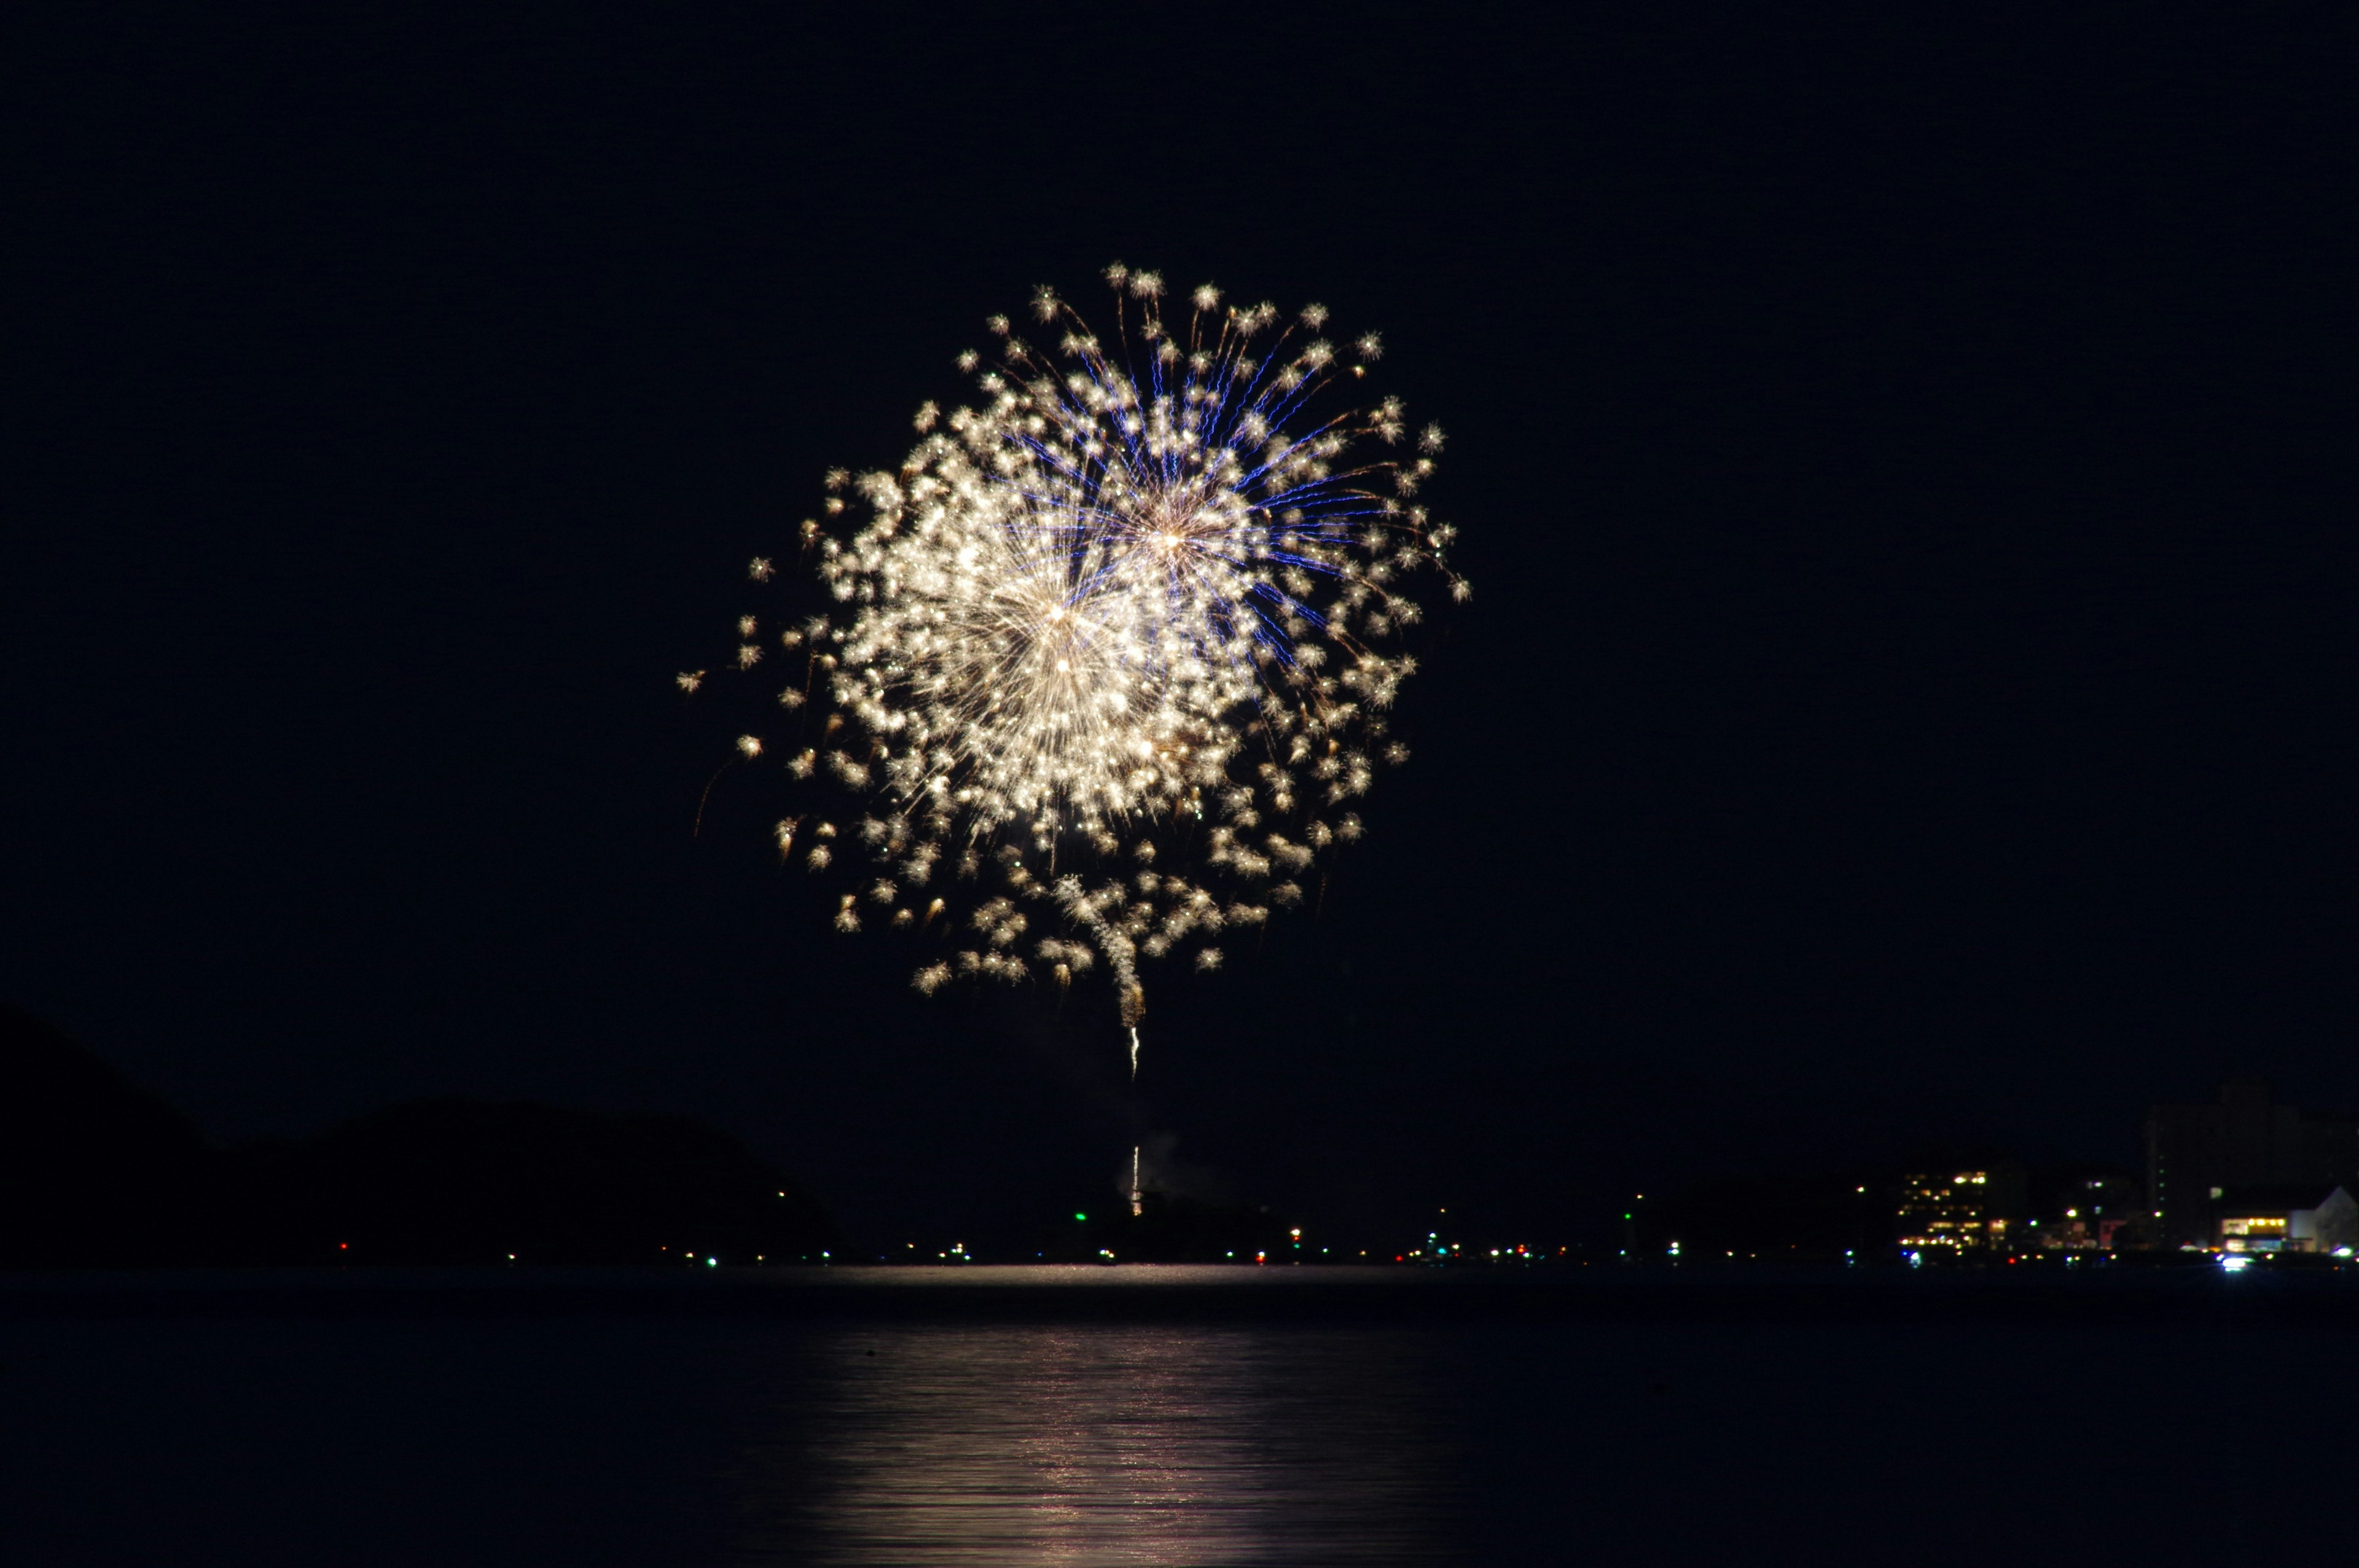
x,y
1102,1444
618,1430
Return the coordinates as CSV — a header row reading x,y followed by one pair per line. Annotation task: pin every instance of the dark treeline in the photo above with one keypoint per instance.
x,y
98,1173
1810,1218
1173,1228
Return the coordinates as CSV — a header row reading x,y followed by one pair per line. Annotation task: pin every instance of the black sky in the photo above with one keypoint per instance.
x,y
1904,473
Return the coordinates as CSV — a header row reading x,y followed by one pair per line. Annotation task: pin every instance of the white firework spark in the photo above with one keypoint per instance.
x,y
1115,642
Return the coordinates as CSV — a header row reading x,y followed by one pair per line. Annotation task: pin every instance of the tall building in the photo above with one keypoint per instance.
x,y
2195,1154
1960,1214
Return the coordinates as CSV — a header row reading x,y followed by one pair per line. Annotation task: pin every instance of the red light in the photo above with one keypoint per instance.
x,y
343,1246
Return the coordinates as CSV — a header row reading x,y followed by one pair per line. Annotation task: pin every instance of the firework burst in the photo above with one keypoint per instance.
x,y
1113,649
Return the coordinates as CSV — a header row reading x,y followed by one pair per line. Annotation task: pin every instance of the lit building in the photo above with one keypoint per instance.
x,y
2087,1210
2287,1220
2196,1153
1959,1213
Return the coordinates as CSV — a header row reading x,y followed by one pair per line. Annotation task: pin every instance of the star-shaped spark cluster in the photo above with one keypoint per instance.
x,y
1112,652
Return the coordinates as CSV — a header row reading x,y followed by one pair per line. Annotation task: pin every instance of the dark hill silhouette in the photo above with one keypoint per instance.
x,y
451,1180
97,1173
92,1169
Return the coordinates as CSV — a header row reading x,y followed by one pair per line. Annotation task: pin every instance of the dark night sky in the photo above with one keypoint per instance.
x,y
1907,695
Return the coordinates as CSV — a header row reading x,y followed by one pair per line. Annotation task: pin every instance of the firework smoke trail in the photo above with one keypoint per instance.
x,y
1112,644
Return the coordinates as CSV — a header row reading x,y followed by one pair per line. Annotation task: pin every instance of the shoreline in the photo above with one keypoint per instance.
x,y
1050,1294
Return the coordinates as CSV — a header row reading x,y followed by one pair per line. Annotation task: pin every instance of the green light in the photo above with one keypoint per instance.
x,y
1083,1218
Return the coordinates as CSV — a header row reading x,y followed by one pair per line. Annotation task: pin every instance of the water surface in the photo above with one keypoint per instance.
x,y
597,1434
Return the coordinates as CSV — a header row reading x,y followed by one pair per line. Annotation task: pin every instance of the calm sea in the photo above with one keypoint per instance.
x,y
911,1421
